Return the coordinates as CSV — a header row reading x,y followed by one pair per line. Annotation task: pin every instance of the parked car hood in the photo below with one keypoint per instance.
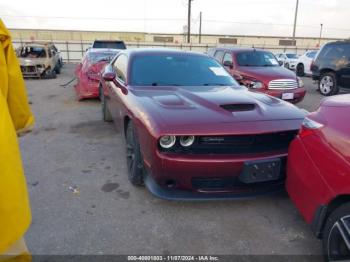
x,y
32,61
266,74
214,106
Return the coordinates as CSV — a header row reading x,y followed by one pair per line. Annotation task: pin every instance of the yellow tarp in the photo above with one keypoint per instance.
x,y
15,116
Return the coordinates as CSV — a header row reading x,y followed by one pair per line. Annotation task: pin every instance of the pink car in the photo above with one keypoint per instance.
x,y
318,177
88,72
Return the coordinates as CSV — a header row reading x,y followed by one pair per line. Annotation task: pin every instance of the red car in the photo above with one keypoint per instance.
x,y
88,72
318,179
260,71
191,131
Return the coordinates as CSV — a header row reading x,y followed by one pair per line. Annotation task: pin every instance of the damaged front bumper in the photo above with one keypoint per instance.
x,y
32,70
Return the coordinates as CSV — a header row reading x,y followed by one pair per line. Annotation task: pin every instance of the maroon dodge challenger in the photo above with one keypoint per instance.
x,y
192,133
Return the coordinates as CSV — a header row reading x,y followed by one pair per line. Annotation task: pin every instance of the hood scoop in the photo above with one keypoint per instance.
x,y
238,107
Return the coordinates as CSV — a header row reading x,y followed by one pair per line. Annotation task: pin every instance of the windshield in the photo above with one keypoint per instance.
x,y
178,70
292,56
312,54
256,58
101,56
32,52
109,44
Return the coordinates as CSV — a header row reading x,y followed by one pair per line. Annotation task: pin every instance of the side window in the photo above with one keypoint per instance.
x,y
228,58
120,66
219,55
211,52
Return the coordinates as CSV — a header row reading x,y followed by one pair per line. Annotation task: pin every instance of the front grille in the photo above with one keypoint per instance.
x,y
28,69
283,84
236,144
233,182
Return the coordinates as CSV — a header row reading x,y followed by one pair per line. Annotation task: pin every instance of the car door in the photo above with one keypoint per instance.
x,y
118,90
344,65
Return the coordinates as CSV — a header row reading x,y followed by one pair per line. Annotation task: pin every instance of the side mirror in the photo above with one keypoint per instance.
x,y
280,63
228,64
109,76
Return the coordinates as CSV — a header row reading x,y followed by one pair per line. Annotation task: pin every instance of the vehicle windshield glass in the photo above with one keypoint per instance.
x,y
32,52
109,45
292,56
101,56
312,54
178,70
256,58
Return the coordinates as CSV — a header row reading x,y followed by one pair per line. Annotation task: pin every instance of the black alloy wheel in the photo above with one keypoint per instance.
x,y
133,156
336,234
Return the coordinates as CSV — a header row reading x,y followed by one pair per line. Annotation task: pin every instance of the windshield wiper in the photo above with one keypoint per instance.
x,y
163,84
214,84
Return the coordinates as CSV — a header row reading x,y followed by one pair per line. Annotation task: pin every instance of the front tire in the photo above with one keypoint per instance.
x,y
328,85
49,74
133,156
300,70
106,114
336,234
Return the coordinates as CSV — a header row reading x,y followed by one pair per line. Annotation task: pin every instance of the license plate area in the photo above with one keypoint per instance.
x,y
261,171
288,96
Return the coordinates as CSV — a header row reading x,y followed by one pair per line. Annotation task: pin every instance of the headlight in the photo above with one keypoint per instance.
x,y
256,84
186,141
167,141
300,82
40,68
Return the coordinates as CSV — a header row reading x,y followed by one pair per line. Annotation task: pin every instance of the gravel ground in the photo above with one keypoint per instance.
x,y
82,202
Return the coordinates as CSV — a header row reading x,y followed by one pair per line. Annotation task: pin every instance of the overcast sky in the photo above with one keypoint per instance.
x,y
246,17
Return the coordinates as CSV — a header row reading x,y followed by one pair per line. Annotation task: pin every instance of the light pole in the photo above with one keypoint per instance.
x,y
200,27
295,19
189,21
319,40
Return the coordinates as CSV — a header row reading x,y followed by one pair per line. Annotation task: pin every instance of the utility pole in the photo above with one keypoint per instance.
x,y
295,19
319,40
200,27
189,22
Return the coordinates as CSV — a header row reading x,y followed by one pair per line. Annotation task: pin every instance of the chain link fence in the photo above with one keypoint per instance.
x,y
73,51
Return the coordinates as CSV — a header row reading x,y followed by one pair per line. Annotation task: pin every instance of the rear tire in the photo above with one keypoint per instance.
x,y
300,70
106,114
58,69
338,223
133,156
328,85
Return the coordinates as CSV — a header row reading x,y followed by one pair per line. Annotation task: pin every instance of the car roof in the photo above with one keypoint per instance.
x,y
239,49
108,41
102,50
145,51
340,42
34,45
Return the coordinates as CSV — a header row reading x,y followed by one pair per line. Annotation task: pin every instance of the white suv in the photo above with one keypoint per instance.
x,y
304,63
288,60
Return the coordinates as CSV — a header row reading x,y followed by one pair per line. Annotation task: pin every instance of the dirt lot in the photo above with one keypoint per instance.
x,y
82,202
